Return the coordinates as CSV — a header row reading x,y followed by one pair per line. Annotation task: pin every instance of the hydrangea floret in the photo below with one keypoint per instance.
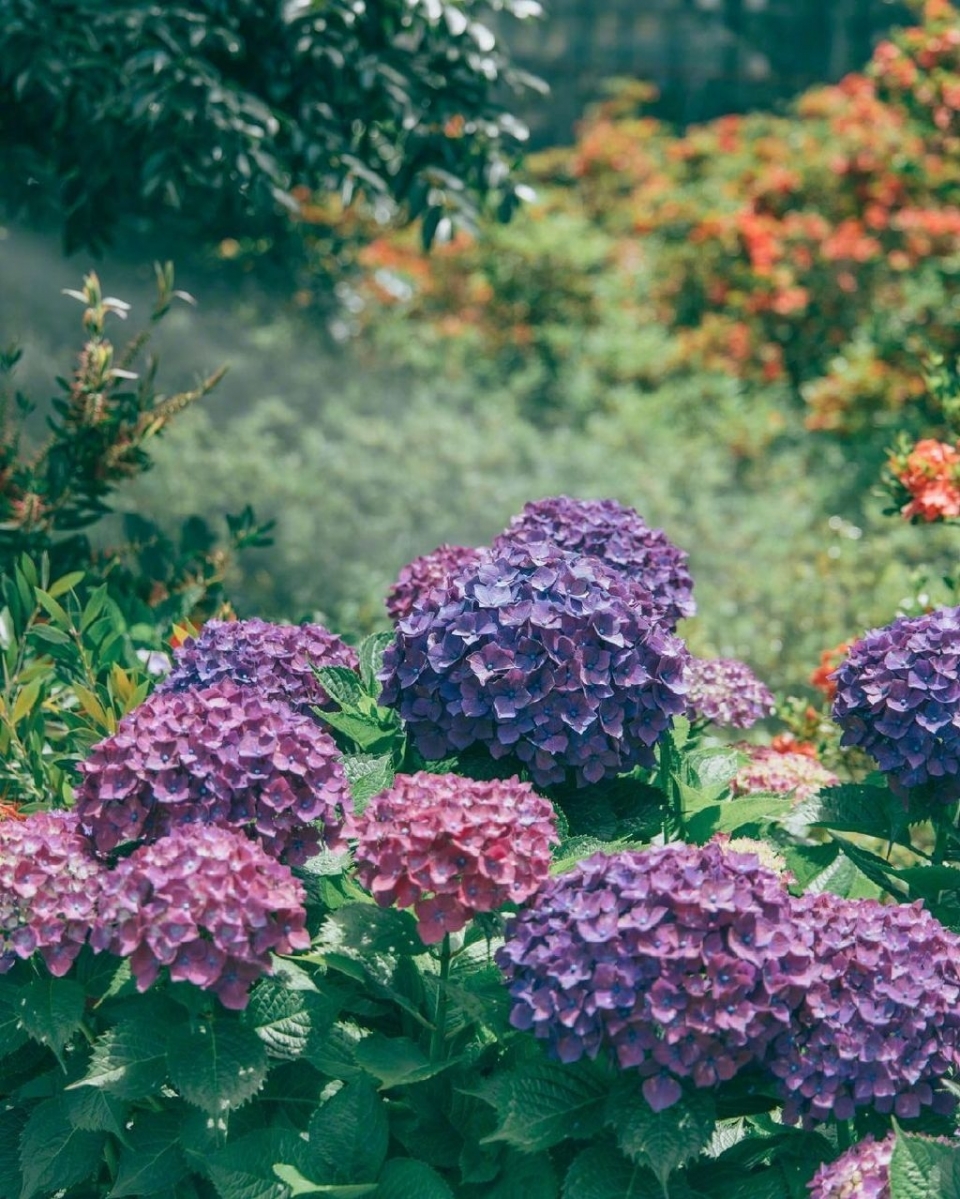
x,y
898,699
619,536
451,847
726,692
879,1025
426,574
208,904
681,961
276,659
779,771
540,656
49,886
223,755
863,1172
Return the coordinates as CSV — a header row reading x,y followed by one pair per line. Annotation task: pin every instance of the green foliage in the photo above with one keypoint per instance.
x,y
227,116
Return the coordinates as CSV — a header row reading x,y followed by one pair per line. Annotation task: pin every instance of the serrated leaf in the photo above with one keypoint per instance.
x,y
11,1128
734,814
51,1010
244,1170
151,1159
281,1018
601,1173
368,775
218,1064
922,1168
544,1104
12,1032
366,731
129,1061
94,1110
404,1178
666,1140
370,653
303,1186
342,685
54,1155
347,1137
855,808
394,1061
365,929
525,1176
877,869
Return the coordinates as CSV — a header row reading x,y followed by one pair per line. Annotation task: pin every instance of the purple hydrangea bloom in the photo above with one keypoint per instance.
x,y
277,659
682,961
452,847
780,771
879,1025
543,657
898,699
207,903
425,574
49,885
616,534
863,1172
223,755
727,693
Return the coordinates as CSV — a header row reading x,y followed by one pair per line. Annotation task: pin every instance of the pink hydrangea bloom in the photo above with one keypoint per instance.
x,y
863,1172
208,904
451,847
49,885
770,769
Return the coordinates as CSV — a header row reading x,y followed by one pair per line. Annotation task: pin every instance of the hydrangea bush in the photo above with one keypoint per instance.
x,y
487,906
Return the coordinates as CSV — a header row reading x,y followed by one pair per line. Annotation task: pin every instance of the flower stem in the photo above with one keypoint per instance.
x,y
438,1038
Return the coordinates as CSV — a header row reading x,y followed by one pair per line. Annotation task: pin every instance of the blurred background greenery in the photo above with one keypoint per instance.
x,y
723,323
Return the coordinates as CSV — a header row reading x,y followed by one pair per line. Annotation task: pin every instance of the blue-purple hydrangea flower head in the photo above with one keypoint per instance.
x,y
898,699
680,962
879,1025
616,534
223,755
548,659
276,659
426,574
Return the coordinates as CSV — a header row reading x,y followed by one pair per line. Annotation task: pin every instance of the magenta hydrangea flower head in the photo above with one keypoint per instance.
x,y
726,692
223,755
49,884
426,574
879,1025
681,961
276,659
206,903
779,771
545,658
898,699
451,847
863,1172
616,534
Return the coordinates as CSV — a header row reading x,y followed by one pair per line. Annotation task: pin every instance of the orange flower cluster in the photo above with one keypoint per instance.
x,y
930,473
830,660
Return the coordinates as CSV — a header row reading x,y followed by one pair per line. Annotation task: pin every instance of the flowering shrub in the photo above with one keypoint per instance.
x,y
782,770
863,1170
49,890
619,537
224,755
452,847
897,696
680,961
206,903
894,968
726,692
541,657
276,660
929,474
421,576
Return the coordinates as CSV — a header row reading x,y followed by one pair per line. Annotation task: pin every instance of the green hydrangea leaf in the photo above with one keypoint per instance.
x,y
129,1061
55,1155
545,1104
150,1159
924,1168
51,1010
244,1170
217,1064
404,1178
601,1173
348,1137
662,1141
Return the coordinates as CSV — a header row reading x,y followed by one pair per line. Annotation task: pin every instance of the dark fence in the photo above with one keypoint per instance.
x,y
706,57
